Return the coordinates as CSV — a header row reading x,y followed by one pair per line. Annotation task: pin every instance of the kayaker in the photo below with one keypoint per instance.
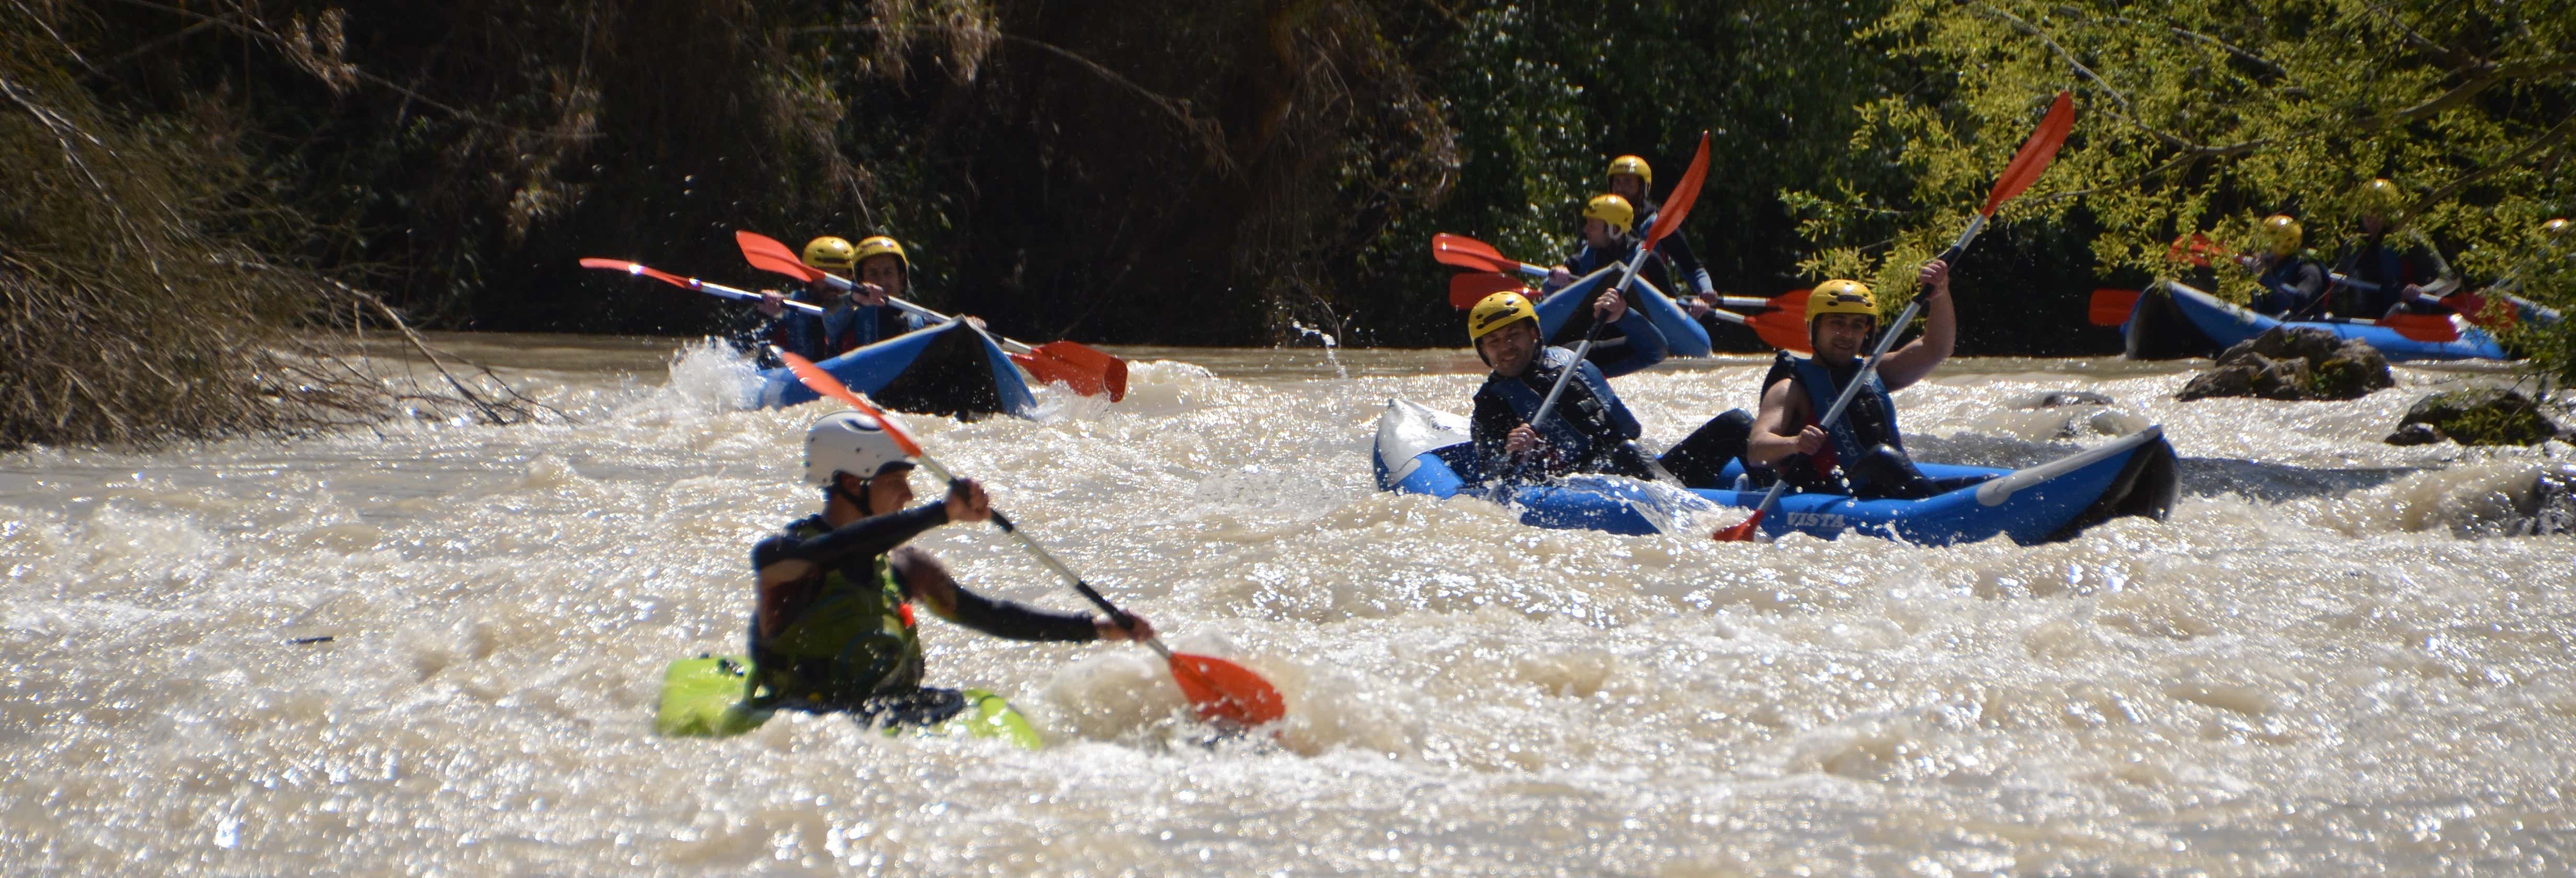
x,y
797,330
1631,178
833,628
1862,453
1607,241
2290,282
2406,274
1590,430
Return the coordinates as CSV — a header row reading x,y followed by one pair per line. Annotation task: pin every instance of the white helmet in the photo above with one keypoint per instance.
x,y
849,442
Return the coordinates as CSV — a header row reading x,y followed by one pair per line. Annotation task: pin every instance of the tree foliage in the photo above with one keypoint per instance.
x,y
2204,116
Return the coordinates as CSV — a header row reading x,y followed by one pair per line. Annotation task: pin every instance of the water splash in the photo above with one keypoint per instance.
x,y
1331,345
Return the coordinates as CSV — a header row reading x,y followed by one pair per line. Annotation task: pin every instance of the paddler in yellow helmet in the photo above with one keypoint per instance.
x,y
1633,179
2289,283
2392,268
832,628
1609,239
1862,453
1590,430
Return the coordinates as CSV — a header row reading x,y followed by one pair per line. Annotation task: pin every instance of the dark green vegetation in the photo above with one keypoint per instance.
x,y
1202,173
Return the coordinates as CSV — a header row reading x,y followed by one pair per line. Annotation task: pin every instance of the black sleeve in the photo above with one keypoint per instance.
x,y
1020,622
864,538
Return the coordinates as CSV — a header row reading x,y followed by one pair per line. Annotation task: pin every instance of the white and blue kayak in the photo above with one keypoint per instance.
x,y
1683,336
1425,451
2173,321
950,369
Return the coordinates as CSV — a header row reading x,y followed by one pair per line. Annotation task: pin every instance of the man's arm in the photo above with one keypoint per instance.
x,y
1773,438
924,578
1917,358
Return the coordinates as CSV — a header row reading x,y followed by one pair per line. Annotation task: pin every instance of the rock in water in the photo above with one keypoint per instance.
x,y
2478,416
2293,364
2415,434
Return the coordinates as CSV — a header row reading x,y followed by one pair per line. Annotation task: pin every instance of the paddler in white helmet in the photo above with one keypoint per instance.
x,y
1590,430
1609,239
833,626
1861,453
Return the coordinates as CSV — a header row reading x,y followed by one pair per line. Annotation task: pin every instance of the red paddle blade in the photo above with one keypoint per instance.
x,y
2035,153
768,254
2483,311
1084,369
822,382
2111,307
1739,532
640,270
1792,303
1468,289
2435,328
1781,330
1677,204
1465,252
1222,690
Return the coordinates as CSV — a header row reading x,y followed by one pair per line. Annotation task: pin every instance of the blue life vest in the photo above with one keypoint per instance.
x,y
1586,411
1869,422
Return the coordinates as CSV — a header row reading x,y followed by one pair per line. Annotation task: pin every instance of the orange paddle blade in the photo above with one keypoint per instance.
x,y
822,382
640,270
1780,329
2035,153
1468,289
768,254
2483,311
2112,307
2435,328
1677,203
1086,369
1792,303
1222,690
1466,252
1739,532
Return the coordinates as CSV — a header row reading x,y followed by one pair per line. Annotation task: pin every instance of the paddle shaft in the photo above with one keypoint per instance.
x,y
726,292
1843,401
1548,406
1048,558
846,284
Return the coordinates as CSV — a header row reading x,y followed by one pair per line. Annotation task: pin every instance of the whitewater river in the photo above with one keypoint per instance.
x,y
2333,660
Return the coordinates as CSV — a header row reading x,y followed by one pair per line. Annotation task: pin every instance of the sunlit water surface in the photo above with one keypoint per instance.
x,y
2328,662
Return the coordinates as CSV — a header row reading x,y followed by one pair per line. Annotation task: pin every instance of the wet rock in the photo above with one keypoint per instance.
x,y
2481,416
2552,506
2061,398
2294,364
2415,434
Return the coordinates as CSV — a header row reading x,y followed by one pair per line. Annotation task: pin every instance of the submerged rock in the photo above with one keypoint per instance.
x,y
2475,416
2299,363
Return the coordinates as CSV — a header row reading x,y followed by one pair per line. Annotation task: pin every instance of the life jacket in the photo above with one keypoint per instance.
x,y
1868,423
1582,427
850,637
840,330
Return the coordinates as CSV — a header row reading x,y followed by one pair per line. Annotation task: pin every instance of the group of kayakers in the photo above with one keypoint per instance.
x,y
878,273
2386,269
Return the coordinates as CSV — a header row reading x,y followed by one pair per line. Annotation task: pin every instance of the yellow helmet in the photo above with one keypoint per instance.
x,y
1629,164
1497,311
1611,209
830,254
1840,297
881,245
2382,198
2554,228
2279,234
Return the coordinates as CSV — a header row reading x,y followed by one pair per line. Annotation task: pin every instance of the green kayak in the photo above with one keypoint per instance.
x,y
703,698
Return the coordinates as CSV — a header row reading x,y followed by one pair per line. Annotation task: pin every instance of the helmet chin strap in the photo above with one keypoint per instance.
x,y
858,500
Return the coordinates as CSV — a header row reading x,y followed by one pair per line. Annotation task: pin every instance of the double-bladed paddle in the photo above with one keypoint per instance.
x,y
1217,689
1088,370
1469,253
2023,170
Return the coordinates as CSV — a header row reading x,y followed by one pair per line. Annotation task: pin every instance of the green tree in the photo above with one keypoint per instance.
x,y
2204,116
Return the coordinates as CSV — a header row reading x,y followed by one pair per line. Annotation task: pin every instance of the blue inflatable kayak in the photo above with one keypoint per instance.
x,y
950,369
1683,336
2173,321
1424,451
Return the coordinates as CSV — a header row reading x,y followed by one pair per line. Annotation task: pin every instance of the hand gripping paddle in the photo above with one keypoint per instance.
x,y
1088,370
1217,689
